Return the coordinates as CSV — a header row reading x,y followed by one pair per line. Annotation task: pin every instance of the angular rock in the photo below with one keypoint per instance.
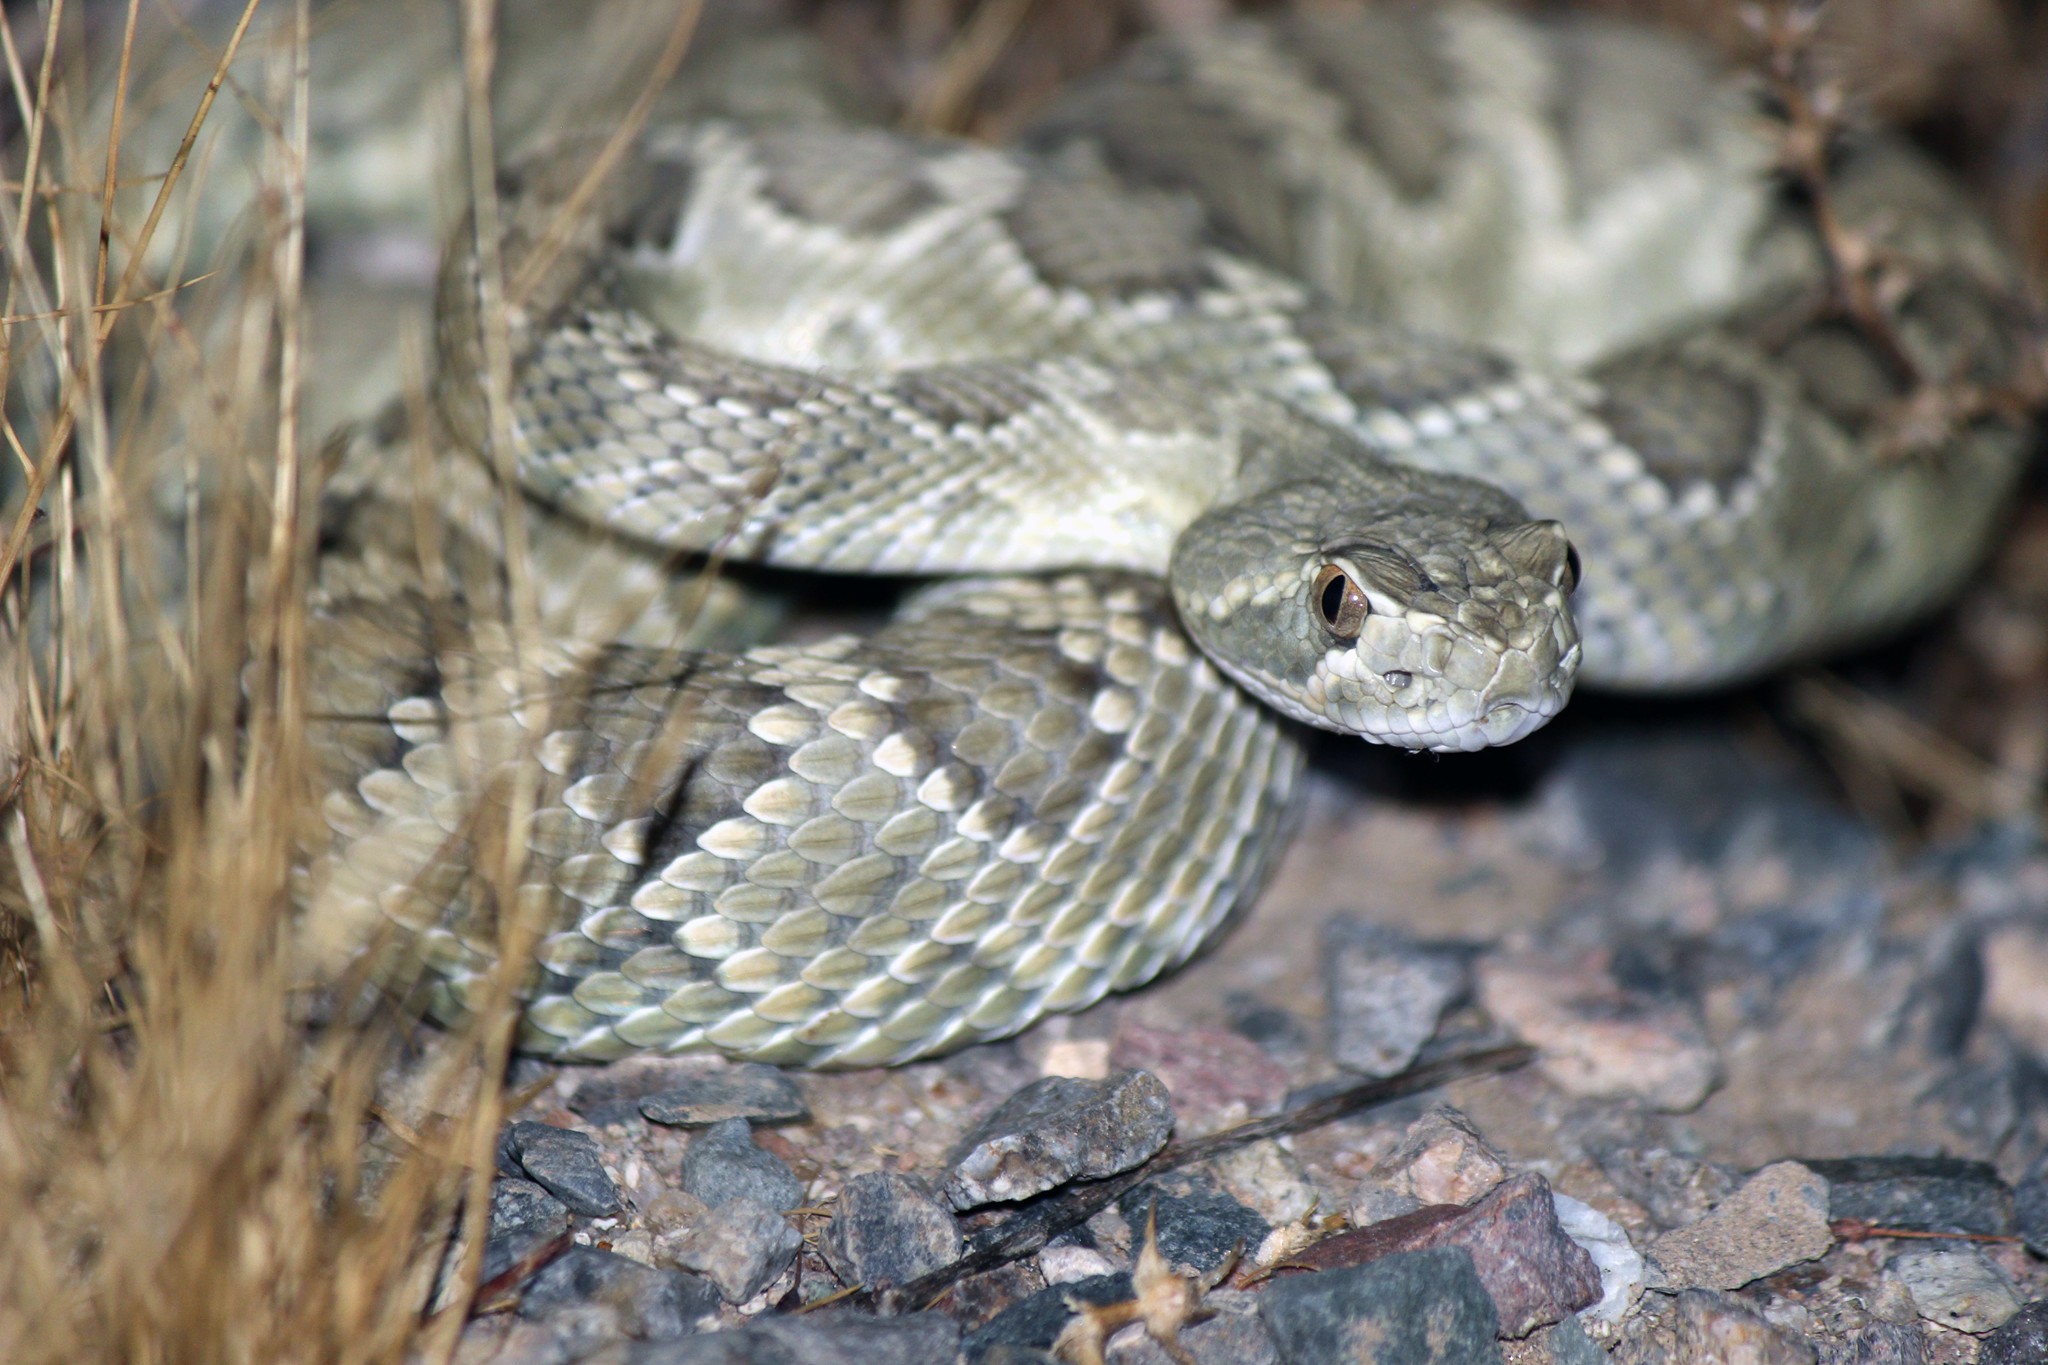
x,y
1597,1040
741,1246
723,1164
1035,1323
1199,1224
1888,1343
1924,1194
524,1219
746,1090
637,1301
1412,1308
889,1229
2022,1341
1534,1273
1386,994
1957,1287
1778,1218
1441,1159
1674,1188
1216,1078
567,1164
1568,1344
1058,1129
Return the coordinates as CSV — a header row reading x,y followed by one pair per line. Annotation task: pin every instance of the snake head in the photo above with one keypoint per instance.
x,y
1435,615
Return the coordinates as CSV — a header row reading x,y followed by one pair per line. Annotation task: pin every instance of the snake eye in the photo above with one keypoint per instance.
x,y
1341,603
1571,569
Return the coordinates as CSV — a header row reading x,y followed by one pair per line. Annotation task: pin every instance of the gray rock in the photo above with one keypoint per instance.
x,y
1199,1224
1957,1287
567,1164
1059,1129
749,1090
524,1217
2030,1213
1717,1329
723,1164
1568,1344
1674,1188
1413,1308
740,1246
637,1301
1925,1194
1883,1343
1778,1218
889,1229
1386,994
816,1339
2022,1341
1035,1323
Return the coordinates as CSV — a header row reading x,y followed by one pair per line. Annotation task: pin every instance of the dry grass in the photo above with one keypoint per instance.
x,y
192,1166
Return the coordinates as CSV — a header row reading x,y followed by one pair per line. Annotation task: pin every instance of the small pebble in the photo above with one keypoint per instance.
x,y
2023,1340
1597,1040
723,1164
2030,1213
1441,1159
1673,1188
741,1246
1386,995
639,1301
1412,1308
1567,1344
1924,1194
1957,1287
889,1229
747,1090
1199,1224
1889,1343
524,1217
1058,1129
567,1164
1717,1329
1779,1217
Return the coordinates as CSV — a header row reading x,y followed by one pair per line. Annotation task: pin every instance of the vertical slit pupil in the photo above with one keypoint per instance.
x,y
1333,597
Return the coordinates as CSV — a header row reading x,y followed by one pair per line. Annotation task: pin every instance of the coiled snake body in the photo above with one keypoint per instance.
x,y
1268,338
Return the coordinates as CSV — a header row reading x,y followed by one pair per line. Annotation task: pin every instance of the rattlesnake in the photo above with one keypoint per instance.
x,y
1269,337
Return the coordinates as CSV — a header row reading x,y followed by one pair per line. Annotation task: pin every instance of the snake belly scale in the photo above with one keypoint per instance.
x,y
1289,375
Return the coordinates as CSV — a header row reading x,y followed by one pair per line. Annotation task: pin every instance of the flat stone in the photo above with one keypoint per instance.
x,y
723,1164
524,1218
1957,1287
889,1229
1778,1218
1441,1159
1534,1272
638,1301
825,1338
567,1164
741,1246
1058,1129
1033,1324
2022,1341
1199,1223
1386,994
1412,1308
1217,1078
1233,1334
1595,1039
1923,1194
745,1090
